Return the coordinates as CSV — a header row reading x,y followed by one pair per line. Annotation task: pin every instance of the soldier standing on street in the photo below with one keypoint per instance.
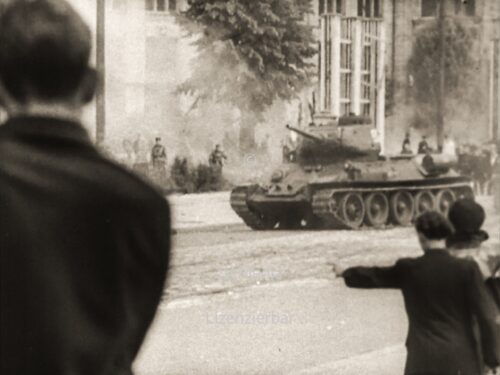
x,y
84,244
159,162
217,157
158,154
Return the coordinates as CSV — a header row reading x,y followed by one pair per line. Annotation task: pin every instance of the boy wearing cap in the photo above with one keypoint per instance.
x,y
442,294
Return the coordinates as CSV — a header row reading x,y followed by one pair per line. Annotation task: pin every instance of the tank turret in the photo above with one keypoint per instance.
x,y
328,144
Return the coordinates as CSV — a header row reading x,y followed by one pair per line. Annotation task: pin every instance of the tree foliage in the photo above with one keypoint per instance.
x,y
461,64
250,52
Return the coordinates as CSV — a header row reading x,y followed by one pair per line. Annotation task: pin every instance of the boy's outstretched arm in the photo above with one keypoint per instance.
x,y
370,277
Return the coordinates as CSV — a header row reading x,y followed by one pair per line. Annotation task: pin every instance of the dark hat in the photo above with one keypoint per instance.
x,y
467,216
433,225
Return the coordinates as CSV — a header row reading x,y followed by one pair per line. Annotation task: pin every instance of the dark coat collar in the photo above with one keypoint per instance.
x,y
33,126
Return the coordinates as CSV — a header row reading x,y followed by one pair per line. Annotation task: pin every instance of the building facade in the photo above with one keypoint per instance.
x,y
148,55
399,23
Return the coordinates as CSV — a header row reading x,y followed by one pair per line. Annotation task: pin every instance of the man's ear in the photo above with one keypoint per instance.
x,y
89,85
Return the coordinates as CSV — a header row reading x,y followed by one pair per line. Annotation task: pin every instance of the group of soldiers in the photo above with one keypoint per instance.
x,y
155,165
479,162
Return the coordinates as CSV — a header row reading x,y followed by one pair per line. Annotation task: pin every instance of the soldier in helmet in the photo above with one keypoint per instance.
x,y
158,154
159,162
217,157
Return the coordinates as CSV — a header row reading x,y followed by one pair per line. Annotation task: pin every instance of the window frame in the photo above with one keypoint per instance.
x,y
160,6
331,7
370,8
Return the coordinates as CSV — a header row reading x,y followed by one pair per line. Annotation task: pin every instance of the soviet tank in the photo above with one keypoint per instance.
x,y
336,178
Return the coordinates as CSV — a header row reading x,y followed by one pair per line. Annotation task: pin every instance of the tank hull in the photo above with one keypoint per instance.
x,y
381,194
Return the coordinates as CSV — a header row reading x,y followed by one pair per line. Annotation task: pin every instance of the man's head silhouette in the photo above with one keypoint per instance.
x,y
44,54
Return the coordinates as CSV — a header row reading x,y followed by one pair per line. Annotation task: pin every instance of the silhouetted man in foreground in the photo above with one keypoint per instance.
x,y
84,244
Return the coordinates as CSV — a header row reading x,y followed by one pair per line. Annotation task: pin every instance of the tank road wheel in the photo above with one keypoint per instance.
x,y
424,201
352,208
377,209
444,200
402,207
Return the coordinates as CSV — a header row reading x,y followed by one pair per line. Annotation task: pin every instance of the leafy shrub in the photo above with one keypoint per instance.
x,y
194,179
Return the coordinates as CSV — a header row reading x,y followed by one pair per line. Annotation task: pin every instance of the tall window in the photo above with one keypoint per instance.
x,y
370,8
331,7
429,8
465,7
160,5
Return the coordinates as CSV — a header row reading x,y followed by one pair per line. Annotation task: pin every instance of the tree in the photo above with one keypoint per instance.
x,y
462,56
250,53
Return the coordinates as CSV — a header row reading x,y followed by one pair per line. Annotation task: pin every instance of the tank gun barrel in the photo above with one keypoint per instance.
x,y
305,134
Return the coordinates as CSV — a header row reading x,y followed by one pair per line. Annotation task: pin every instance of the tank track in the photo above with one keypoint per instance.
x,y
326,203
321,208
331,209
238,201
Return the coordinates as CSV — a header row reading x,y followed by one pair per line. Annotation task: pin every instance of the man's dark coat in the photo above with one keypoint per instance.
x,y
84,251
441,294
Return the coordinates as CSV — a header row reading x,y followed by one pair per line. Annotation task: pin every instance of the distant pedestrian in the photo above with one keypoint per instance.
x,y
84,244
442,296
423,146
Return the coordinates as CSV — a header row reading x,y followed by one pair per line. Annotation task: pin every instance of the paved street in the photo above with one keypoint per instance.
x,y
245,302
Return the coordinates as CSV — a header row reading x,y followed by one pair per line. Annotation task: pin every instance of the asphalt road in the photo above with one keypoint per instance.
x,y
246,302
